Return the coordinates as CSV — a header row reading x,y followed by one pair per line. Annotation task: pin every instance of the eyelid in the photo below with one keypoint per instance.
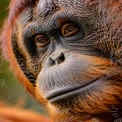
x,y
41,43
71,32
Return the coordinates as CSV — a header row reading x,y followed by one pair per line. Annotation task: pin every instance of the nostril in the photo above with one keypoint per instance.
x,y
56,58
61,58
51,61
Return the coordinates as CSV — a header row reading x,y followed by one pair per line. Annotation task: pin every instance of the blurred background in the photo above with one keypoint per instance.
x,y
11,91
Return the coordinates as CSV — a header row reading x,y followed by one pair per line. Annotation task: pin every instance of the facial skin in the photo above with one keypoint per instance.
x,y
71,52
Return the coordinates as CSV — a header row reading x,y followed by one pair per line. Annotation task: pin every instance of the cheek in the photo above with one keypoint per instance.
x,y
66,89
40,97
75,71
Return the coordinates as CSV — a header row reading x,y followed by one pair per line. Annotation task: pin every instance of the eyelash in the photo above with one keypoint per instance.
x,y
72,29
67,30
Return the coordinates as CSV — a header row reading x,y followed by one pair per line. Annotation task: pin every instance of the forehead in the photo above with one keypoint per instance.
x,y
47,12
47,7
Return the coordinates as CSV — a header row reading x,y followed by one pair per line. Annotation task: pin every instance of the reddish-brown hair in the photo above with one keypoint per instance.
x,y
113,8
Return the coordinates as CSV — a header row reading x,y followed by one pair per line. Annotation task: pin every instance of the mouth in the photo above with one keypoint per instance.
x,y
72,91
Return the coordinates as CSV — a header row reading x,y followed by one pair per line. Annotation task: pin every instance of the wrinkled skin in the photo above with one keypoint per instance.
x,y
70,50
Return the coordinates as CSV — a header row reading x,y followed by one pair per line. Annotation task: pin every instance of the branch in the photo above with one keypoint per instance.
x,y
13,114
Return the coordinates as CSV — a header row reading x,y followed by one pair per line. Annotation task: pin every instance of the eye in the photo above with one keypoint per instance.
x,y
69,29
41,40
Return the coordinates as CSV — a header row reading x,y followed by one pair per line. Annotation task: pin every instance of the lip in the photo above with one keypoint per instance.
x,y
68,92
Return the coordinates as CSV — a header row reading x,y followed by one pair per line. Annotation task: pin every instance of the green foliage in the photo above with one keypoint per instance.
x,y
11,91
3,10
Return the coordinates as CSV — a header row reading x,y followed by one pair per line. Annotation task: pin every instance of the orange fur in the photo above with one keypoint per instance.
x,y
114,14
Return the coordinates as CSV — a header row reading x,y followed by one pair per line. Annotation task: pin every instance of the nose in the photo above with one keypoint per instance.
x,y
56,58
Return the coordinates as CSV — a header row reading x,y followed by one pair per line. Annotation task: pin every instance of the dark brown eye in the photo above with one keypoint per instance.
x,y
69,29
41,40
